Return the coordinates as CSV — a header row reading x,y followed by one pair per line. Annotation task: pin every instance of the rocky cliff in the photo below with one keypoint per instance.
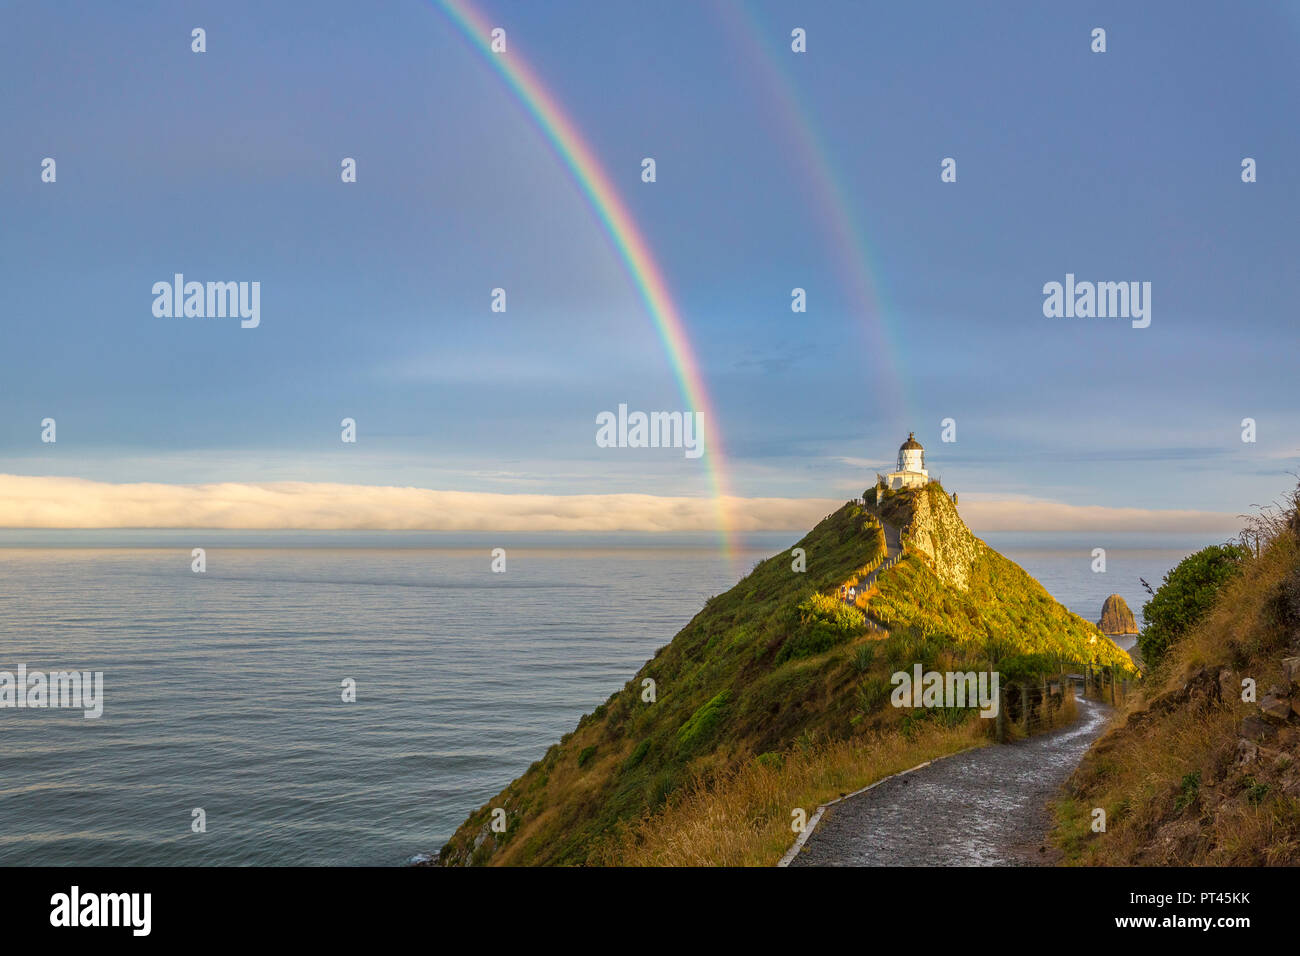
x,y
930,525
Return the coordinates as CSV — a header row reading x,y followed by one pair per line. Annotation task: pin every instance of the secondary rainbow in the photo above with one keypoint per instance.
x,y
856,260
628,241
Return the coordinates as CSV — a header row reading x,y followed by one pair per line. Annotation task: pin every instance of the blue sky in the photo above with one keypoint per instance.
x,y
375,295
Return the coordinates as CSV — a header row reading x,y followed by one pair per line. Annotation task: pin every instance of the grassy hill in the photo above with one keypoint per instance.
x,y
775,696
1192,773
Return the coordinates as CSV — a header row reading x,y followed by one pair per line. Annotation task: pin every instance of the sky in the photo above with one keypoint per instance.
x,y
775,170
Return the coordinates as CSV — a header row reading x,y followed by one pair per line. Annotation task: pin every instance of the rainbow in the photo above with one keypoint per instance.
x,y
855,257
594,183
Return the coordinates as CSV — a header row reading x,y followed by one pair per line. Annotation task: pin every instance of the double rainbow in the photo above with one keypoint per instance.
x,y
595,184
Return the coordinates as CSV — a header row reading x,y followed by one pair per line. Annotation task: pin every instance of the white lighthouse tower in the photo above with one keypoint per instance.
x,y
911,471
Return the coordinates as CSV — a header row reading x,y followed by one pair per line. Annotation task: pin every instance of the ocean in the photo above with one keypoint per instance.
x,y
223,691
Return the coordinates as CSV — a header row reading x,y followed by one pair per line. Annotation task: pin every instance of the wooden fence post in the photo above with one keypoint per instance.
x,y
1000,721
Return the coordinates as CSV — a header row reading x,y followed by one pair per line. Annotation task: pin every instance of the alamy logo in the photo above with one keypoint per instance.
x,y
215,300
75,908
57,689
950,689
654,430
1102,300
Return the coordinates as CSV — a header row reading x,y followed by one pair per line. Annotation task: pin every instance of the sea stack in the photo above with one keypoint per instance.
x,y
1116,618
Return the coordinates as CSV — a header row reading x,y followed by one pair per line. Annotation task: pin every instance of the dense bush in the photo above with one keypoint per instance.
x,y
1187,593
699,728
821,621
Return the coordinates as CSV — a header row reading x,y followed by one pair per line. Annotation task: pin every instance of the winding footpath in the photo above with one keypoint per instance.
x,y
893,553
983,807
893,548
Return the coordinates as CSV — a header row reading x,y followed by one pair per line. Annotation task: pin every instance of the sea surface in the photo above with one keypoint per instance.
x,y
223,691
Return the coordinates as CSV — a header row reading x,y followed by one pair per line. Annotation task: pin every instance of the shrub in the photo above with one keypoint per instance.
x,y
1255,790
1190,790
586,754
907,646
637,755
873,693
819,623
1187,594
701,724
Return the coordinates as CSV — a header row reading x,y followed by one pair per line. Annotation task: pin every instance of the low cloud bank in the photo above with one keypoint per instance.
x,y
37,502
1002,515
27,502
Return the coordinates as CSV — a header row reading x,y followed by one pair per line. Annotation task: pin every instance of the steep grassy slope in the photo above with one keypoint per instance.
x,y
772,665
954,586
1193,774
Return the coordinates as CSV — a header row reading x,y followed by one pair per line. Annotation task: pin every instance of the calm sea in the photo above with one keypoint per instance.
x,y
223,690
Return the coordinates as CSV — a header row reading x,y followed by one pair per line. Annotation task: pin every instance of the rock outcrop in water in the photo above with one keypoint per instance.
x,y
1116,618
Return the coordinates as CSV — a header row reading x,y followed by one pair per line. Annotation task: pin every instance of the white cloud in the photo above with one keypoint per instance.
x,y
1035,514
57,502
32,502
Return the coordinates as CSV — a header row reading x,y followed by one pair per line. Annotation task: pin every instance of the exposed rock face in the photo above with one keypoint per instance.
x,y
1116,618
937,531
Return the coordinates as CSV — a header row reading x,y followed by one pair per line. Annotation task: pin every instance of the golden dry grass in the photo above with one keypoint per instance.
x,y
1167,778
743,818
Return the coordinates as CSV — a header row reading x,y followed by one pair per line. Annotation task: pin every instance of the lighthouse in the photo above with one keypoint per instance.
x,y
910,472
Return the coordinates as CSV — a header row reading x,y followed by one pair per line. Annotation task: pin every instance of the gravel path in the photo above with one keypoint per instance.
x,y
985,807
893,546
893,540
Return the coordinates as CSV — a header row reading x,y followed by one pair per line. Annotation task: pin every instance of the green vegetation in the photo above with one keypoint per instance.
x,y
1191,774
703,722
779,667
821,622
1187,594
1189,791
637,755
1003,614
1255,790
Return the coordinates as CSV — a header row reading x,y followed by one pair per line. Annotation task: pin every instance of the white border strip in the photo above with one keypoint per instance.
x,y
791,853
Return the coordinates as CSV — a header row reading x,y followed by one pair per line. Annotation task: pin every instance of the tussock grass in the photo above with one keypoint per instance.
x,y
743,818
1167,774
